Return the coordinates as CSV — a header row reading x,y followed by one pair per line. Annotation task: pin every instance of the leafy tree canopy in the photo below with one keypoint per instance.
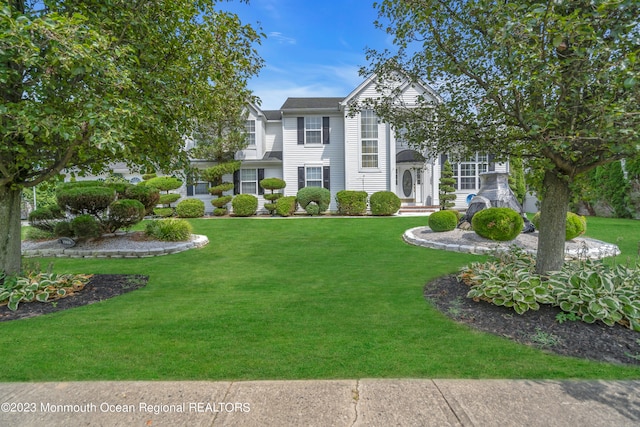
x,y
556,83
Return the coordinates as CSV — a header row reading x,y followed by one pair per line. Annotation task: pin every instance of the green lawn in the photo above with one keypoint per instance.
x,y
282,299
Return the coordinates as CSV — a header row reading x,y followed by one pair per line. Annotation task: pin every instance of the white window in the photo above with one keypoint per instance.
x,y
249,181
313,176
250,129
467,173
369,138
313,130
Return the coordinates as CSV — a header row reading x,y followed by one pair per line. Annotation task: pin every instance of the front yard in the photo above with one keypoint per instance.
x,y
308,298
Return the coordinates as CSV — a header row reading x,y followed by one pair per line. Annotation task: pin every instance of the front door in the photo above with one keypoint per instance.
x,y
409,185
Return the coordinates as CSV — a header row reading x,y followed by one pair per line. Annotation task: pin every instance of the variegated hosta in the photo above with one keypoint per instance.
x,y
41,287
589,289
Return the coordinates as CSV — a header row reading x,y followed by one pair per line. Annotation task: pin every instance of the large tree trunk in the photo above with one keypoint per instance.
x,y
553,220
10,255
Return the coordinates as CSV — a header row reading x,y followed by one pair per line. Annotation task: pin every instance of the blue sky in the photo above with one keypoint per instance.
x,y
313,47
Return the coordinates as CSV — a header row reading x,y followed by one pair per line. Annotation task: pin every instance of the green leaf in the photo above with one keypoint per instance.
x,y
42,296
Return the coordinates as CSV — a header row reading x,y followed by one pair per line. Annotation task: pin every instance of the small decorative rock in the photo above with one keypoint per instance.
x,y
67,242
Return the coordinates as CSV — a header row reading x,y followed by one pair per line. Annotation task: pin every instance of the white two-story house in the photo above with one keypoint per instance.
x,y
319,142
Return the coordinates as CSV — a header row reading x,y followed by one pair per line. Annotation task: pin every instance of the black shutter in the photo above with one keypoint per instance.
x,y
492,164
236,182
300,177
190,190
326,177
260,178
325,130
300,130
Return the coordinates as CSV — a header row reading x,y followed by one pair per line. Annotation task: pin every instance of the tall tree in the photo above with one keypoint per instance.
x,y
554,82
85,83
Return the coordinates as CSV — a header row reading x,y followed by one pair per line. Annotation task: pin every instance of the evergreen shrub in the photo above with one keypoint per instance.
x,y
163,212
85,200
576,225
384,203
167,199
320,196
46,218
286,206
352,203
63,229
445,220
190,208
148,196
124,213
500,224
86,226
244,205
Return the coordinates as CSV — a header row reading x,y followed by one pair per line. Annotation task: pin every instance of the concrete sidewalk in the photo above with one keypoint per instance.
x,y
365,402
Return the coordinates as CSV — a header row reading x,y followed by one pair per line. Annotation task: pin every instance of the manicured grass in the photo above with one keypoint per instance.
x,y
307,298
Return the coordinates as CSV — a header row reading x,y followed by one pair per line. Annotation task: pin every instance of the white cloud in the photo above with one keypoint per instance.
x,y
280,38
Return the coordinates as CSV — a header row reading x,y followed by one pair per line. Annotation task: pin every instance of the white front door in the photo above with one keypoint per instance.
x,y
410,183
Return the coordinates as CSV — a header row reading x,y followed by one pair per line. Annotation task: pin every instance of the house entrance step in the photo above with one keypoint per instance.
x,y
417,209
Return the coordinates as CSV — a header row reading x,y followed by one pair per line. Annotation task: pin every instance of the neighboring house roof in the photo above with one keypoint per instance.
x,y
272,114
311,103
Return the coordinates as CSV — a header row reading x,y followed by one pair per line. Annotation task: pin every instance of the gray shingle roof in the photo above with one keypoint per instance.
x,y
272,114
311,103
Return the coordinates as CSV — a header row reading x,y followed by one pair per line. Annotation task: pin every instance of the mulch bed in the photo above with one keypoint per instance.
x,y
540,328
100,287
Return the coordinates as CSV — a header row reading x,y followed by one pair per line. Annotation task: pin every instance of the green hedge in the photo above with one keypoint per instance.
x,y
314,200
286,206
190,208
352,203
384,203
501,224
445,220
244,205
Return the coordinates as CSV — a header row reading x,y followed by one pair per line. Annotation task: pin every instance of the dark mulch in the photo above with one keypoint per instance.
x,y
100,287
539,328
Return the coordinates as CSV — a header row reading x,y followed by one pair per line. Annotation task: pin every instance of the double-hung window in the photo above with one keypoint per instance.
x,y
250,130
467,173
313,176
369,139
313,130
249,181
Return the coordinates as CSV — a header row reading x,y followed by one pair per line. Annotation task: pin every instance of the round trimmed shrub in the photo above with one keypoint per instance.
x,y
46,218
124,213
272,184
163,212
352,203
286,206
148,196
190,208
219,211
170,230
86,227
167,199
164,183
384,203
320,196
244,205
576,225
445,220
221,201
500,224
63,229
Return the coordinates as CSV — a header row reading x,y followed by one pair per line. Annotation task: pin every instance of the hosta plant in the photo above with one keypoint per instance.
x,y
41,287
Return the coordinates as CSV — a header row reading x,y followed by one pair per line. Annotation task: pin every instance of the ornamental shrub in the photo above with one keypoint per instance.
x,y
148,196
190,208
164,183
167,199
124,213
221,201
273,184
576,225
384,203
86,226
320,196
352,203
85,200
445,220
286,206
46,218
63,229
500,224
163,212
169,230
244,205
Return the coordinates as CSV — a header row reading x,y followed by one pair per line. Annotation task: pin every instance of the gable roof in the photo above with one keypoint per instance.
x,y
312,103
405,83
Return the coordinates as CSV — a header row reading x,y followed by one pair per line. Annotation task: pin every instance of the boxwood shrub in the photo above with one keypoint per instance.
x,y
124,213
148,196
163,212
320,197
286,206
500,224
352,203
190,208
86,226
384,203
444,220
576,225
244,205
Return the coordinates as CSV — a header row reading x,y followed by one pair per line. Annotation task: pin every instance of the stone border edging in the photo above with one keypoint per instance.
x,y
595,249
197,241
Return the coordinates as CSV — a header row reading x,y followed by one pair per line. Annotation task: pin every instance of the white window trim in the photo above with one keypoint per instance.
x,y
308,129
249,132
306,174
480,163
363,168
242,182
